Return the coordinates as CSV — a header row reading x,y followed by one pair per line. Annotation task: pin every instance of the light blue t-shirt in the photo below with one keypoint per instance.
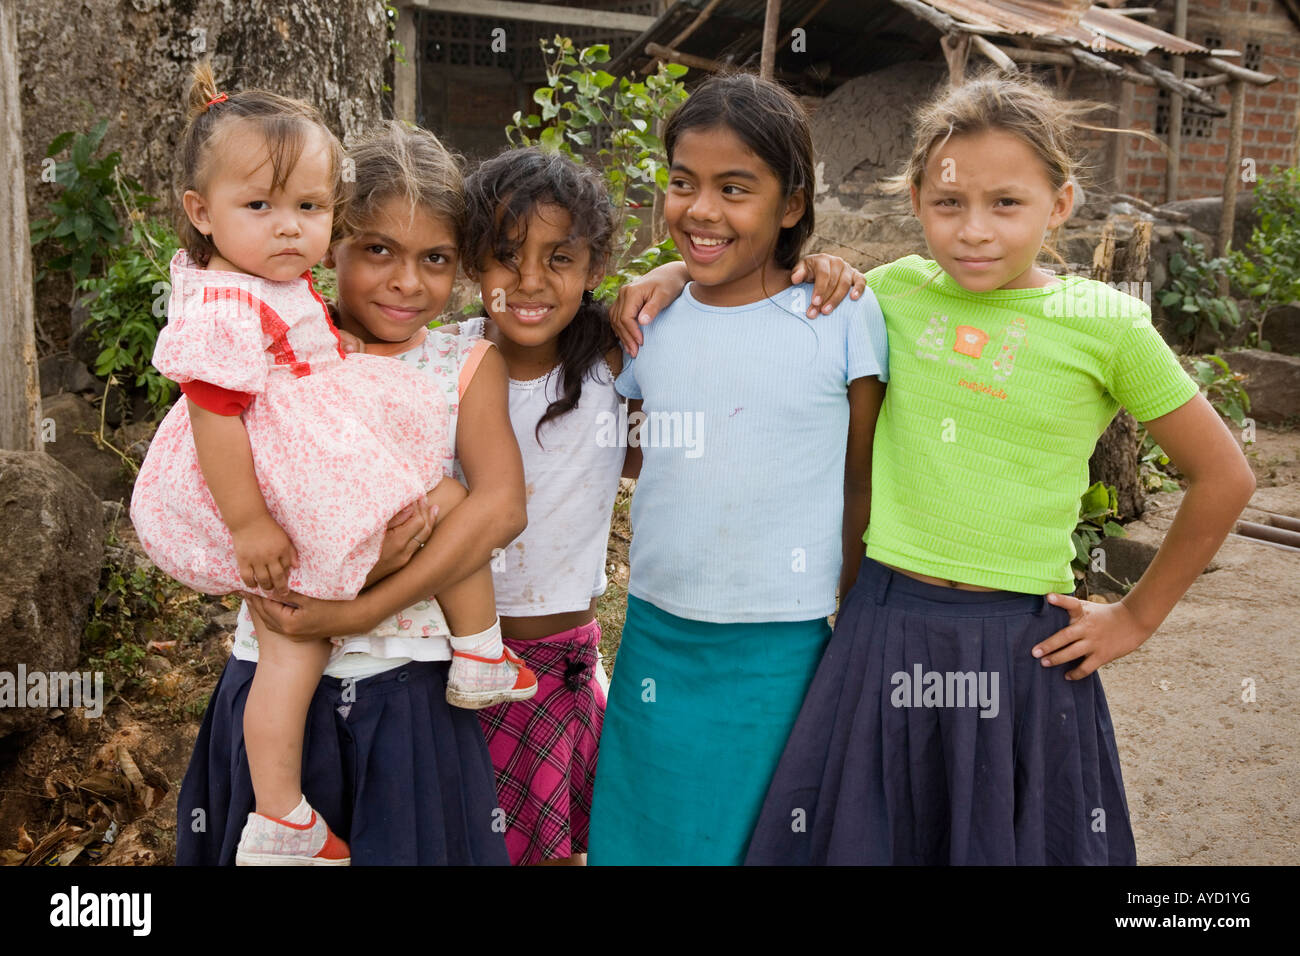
x,y
738,511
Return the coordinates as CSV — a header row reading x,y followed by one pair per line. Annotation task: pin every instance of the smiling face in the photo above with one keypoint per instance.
x,y
274,233
986,204
725,208
396,276
535,294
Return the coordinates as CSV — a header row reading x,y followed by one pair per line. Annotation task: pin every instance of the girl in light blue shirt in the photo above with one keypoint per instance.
x,y
752,418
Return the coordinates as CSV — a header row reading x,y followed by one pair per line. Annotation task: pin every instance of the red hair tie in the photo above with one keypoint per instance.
x,y
219,98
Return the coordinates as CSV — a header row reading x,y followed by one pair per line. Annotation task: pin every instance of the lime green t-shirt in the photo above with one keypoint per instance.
x,y
995,403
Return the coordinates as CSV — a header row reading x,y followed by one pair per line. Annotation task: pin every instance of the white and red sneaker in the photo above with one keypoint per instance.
x,y
270,842
475,682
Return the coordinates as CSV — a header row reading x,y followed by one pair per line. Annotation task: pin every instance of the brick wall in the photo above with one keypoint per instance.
x,y
1271,44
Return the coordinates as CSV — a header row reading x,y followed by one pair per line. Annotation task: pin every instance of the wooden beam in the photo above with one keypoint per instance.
x,y
540,13
1102,65
1253,77
20,390
1232,175
1031,55
1205,82
771,27
996,54
1175,156
940,21
956,48
1168,81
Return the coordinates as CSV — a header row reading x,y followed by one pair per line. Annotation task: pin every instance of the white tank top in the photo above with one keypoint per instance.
x,y
570,480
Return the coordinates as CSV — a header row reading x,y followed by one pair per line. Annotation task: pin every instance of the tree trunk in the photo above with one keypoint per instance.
x,y
1115,462
20,393
84,60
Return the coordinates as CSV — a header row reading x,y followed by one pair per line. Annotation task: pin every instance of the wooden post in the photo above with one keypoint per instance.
x,y
1103,256
956,48
20,390
1232,175
1119,142
771,25
406,76
1174,158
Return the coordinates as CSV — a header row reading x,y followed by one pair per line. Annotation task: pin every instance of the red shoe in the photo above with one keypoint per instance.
x,y
476,682
270,842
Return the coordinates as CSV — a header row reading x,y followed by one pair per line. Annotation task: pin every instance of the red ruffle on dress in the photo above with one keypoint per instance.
x,y
340,443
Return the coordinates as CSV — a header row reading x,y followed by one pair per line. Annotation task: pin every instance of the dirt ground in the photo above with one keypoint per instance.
x,y
1211,777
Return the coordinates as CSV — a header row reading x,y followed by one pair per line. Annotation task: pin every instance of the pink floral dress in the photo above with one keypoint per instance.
x,y
340,443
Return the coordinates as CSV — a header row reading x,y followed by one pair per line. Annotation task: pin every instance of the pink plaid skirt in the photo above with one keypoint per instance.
x,y
544,749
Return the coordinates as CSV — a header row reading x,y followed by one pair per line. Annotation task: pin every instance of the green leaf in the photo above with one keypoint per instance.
x,y
675,70
603,79
1114,530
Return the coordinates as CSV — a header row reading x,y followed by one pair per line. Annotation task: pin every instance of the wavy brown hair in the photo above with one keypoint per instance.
x,y
500,196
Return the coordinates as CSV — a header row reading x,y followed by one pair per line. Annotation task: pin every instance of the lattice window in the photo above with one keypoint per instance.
x,y
1198,122
1251,55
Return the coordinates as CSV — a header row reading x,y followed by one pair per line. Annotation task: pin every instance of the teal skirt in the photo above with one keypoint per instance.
x,y
697,718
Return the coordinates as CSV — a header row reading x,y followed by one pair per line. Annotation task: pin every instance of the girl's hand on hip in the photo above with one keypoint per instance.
x,y
265,554
307,618
832,280
406,534
1098,633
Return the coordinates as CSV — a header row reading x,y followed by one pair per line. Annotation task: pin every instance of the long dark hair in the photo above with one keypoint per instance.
x,y
499,197
767,118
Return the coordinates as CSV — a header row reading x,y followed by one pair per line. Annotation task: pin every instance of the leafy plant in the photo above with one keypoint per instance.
x,y
1223,389
1222,386
130,597
82,222
128,307
1098,507
1269,270
588,113
1190,298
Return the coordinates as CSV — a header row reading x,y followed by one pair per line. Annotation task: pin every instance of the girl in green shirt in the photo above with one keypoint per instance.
x,y
941,726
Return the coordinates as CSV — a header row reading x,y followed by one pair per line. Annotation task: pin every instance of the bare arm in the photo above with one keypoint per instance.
x,y
640,301
1219,485
262,549
865,396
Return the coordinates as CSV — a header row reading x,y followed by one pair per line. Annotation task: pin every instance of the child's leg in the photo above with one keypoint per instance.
x,y
275,715
483,671
469,605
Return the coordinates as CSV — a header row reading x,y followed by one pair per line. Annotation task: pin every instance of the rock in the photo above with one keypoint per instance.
x,y
1126,560
1272,382
75,423
134,439
1282,329
61,372
50,564
81,344
1203,215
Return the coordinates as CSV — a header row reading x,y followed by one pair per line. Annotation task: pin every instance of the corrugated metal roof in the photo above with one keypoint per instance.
x,y
1076,21
733,30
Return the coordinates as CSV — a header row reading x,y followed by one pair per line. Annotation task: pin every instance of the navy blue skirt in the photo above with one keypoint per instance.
x,y
404,778
930,735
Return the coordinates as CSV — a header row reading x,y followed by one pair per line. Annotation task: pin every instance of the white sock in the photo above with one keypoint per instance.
x,y
301,813
483,644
